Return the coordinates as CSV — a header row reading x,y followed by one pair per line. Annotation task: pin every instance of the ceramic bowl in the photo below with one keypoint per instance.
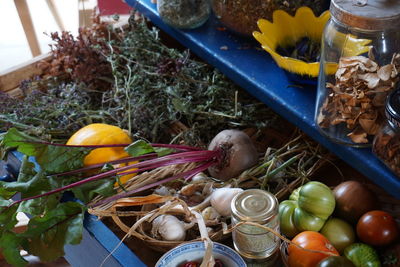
x,y
286,30
194,251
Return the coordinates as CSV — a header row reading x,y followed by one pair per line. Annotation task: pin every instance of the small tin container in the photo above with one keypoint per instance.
x,y
252,242
386,145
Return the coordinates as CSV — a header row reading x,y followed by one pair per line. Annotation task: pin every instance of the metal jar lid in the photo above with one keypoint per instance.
x,y
254,205
392,108
375,15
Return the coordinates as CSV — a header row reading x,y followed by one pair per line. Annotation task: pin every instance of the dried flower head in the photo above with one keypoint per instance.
x,y
81,58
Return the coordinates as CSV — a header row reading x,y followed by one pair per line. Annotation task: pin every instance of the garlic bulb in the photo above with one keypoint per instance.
x,y
169,228
221,199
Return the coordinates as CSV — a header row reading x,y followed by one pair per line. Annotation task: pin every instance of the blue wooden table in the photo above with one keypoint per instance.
x,y
253,69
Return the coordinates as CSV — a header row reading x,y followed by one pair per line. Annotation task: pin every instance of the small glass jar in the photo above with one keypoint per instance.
x,y
252,242
241,16
359,41
184,14
386,145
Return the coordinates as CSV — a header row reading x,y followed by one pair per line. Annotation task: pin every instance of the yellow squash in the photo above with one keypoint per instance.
x,y
103,134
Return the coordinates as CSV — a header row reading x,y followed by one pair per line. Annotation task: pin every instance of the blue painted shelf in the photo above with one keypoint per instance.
x,y
254,70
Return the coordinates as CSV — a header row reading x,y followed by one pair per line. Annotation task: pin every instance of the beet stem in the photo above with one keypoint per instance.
x,y
172,146
189,173
178,158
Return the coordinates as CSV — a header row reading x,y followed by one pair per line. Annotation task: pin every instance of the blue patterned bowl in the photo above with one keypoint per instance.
x,y
194,251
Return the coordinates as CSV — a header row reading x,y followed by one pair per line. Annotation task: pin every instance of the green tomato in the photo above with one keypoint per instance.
x,y
362,255
317,198
305,221
335,261
295,194
339,233
308,208
286,211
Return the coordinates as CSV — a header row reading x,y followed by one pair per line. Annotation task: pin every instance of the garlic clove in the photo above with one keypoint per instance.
x,y
199,178
221,199
210,213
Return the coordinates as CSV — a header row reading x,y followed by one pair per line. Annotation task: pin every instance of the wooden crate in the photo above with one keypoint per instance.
x,y
11,78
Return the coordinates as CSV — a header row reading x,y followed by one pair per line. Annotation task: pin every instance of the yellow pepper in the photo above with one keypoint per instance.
x,y
103,134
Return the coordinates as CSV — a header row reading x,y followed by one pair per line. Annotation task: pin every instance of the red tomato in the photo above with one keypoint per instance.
x,y
377,228
309,240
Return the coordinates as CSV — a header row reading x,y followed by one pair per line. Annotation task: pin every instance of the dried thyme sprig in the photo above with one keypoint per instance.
x,y
165,85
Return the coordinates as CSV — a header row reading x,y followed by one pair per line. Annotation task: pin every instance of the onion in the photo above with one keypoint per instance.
x,y
239,154
353,199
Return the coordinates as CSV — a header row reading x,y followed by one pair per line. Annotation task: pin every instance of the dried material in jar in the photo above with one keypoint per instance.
x,y
358,97
387,148
184,14
241,16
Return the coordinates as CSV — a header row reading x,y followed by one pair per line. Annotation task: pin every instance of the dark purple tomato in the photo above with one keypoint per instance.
x,y
335,261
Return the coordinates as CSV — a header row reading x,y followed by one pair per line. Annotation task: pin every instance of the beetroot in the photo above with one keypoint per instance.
x,y
238,153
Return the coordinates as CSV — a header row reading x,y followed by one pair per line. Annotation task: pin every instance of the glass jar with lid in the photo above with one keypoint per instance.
x,y
241,16
184,14
358,69
386,145
255,244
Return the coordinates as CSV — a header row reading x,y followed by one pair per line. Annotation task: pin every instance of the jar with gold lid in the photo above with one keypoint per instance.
x,y
358,69
254,243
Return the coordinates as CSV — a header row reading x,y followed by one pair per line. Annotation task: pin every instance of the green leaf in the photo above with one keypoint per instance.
x,y
8,216
47,235
52,159
28,180
5,193
163,151
89,191
10,244
139,148
179,105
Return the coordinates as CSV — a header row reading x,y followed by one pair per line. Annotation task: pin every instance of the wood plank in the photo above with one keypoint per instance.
x,y
56,15
27,24
10,78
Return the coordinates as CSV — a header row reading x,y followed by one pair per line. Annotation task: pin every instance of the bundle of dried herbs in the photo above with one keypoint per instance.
x,y
241,16
358,97
81,59
51,114
156,92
